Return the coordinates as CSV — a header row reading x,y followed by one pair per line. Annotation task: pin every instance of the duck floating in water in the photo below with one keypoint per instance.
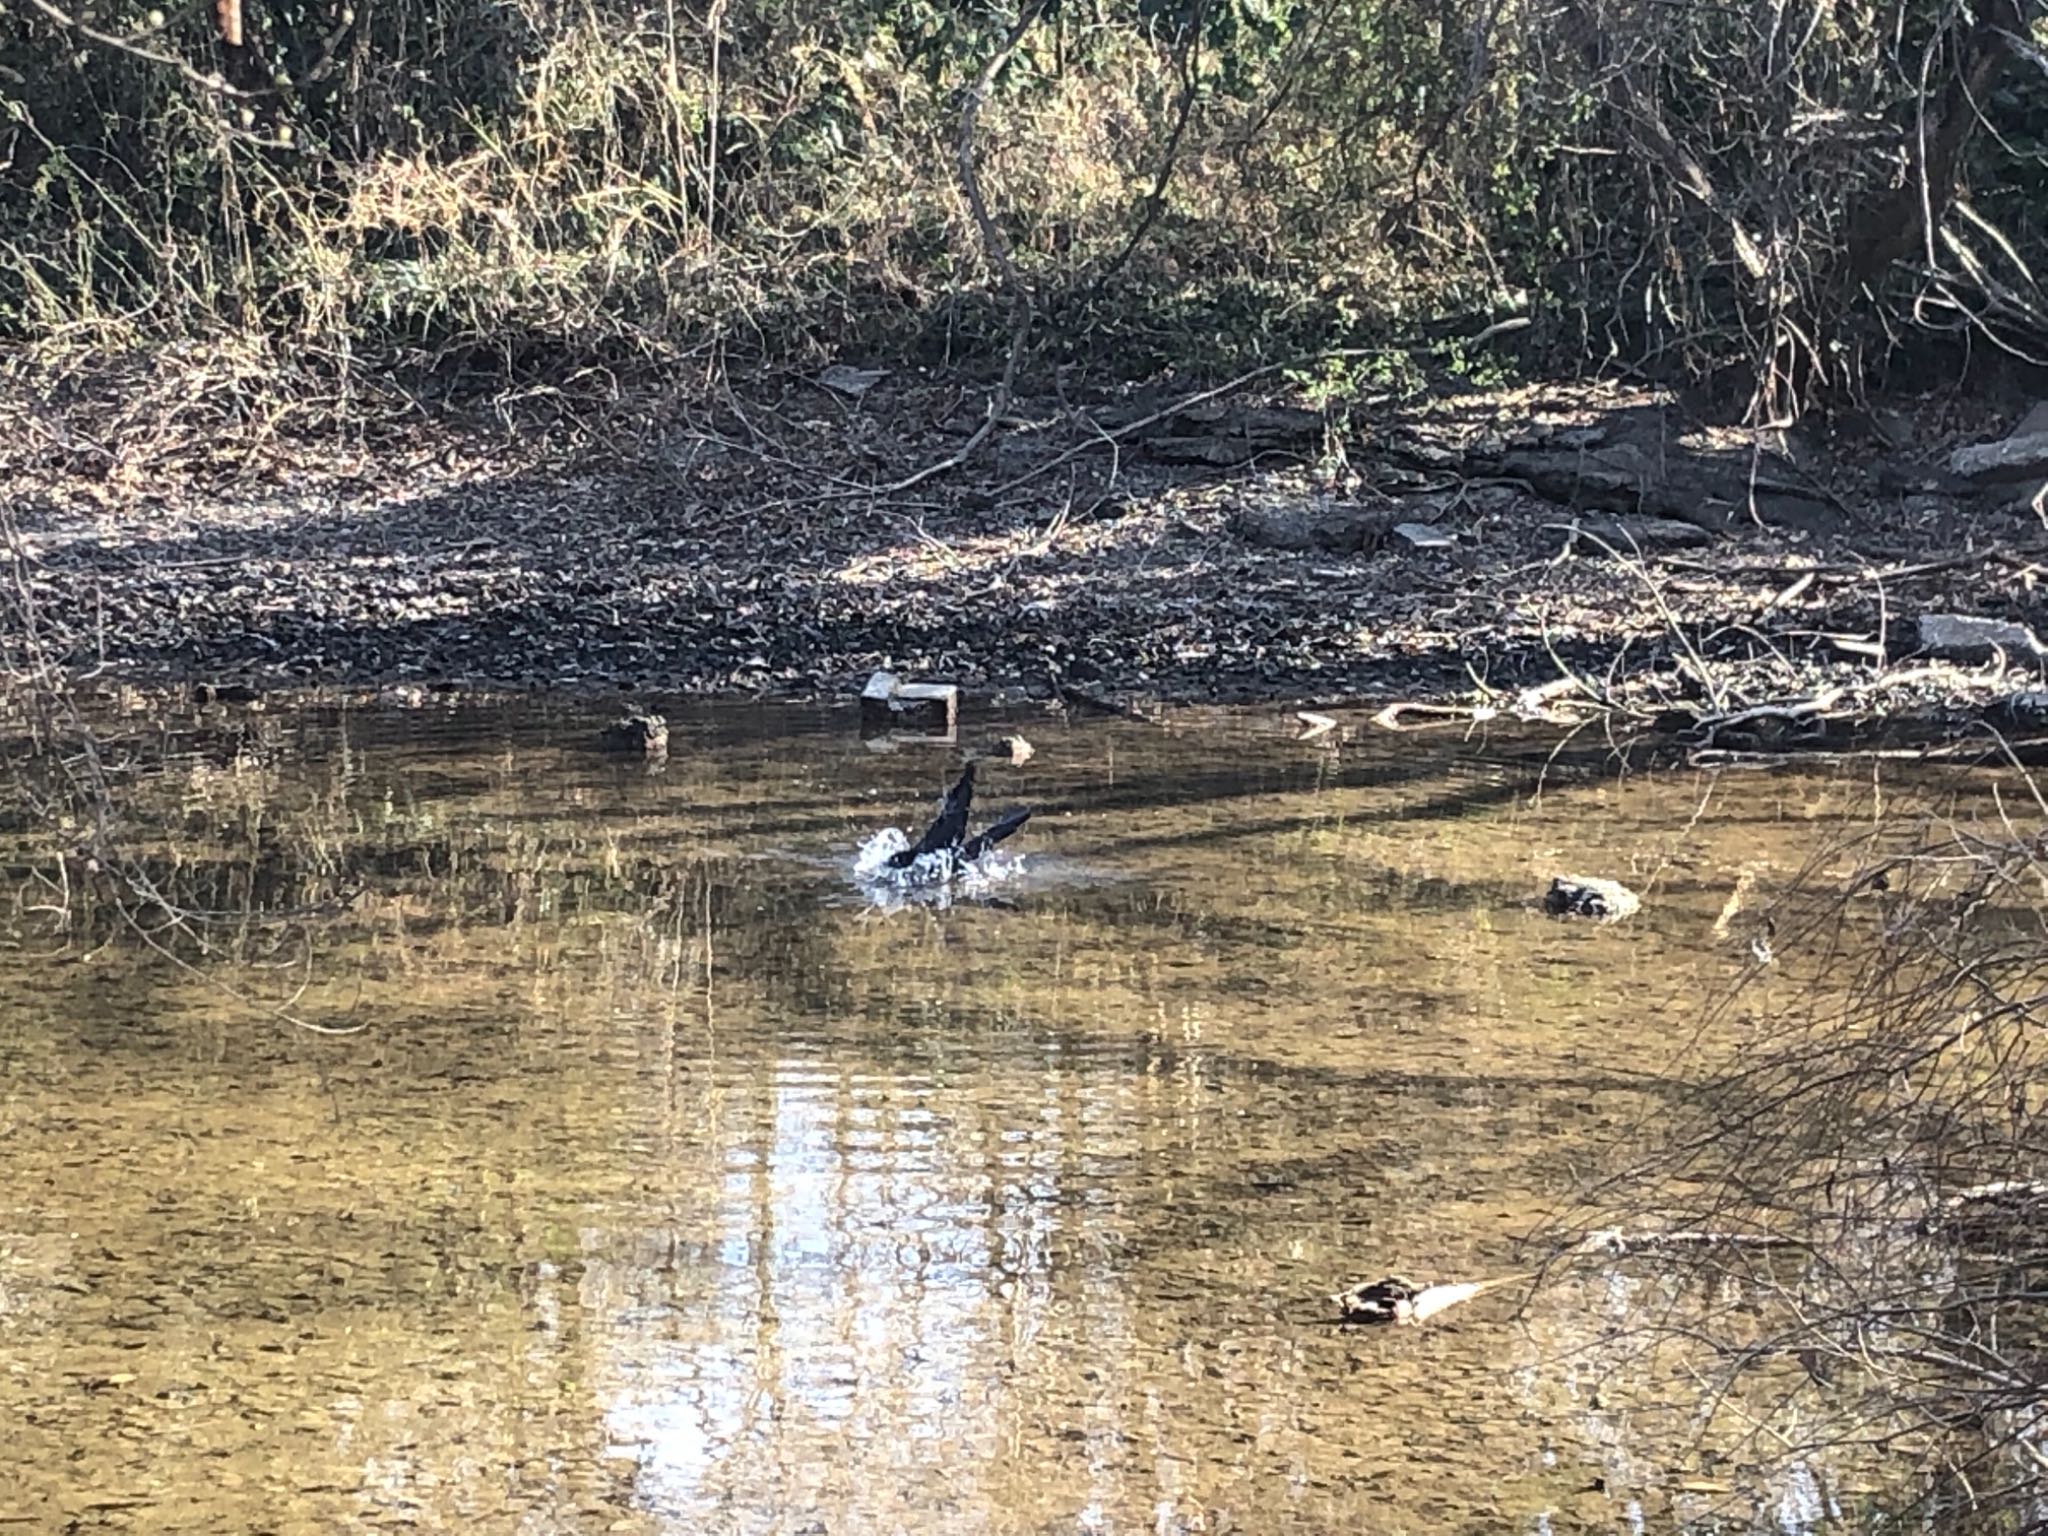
x,y
945,841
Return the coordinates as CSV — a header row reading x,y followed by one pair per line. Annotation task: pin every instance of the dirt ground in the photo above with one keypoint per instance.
x,y
787,543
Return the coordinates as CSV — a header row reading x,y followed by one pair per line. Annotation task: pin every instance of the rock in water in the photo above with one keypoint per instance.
x,y
1395,1300
1379,1301
1604,901
645,735
1014,750
887,701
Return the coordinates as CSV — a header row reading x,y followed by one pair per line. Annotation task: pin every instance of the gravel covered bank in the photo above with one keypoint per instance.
x,y
748,552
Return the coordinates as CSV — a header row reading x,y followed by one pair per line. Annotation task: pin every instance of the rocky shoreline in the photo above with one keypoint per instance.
x,y
1514,552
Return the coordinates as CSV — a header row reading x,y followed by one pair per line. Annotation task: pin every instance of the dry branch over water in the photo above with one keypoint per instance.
x,y
1873,1164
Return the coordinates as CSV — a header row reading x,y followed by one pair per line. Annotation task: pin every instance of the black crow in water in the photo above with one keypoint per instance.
x,y
948,835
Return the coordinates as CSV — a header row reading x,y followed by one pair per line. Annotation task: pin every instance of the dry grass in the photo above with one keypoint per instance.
x,y
640,182
514,192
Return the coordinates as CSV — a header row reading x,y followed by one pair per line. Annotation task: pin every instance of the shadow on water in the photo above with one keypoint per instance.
x,y
667,1188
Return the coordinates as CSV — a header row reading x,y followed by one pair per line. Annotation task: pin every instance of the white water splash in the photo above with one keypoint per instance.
x,y
933,879
872,862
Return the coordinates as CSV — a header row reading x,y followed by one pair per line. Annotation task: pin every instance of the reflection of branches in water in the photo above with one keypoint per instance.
x,y
64,783
1889,1132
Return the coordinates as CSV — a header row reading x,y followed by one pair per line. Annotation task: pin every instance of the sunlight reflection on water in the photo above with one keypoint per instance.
x,y
671,1191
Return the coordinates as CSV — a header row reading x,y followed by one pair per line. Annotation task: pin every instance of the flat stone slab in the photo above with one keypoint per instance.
x,y
1963,637
888,701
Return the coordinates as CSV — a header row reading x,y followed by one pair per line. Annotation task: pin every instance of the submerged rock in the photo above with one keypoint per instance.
x,y
646,735
1604,901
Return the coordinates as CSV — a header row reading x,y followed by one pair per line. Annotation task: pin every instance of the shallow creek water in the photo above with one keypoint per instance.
x,y
673,1186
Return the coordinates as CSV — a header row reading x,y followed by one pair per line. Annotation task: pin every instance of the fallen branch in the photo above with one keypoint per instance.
x,y
1391,718
1613,1243
1972,752
1199,397
1795,712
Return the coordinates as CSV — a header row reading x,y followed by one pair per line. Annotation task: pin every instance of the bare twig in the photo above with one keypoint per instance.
x,y
995,247
1187,64
205,81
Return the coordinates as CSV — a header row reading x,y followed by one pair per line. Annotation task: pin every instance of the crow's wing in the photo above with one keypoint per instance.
x,y
996,831
949,829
